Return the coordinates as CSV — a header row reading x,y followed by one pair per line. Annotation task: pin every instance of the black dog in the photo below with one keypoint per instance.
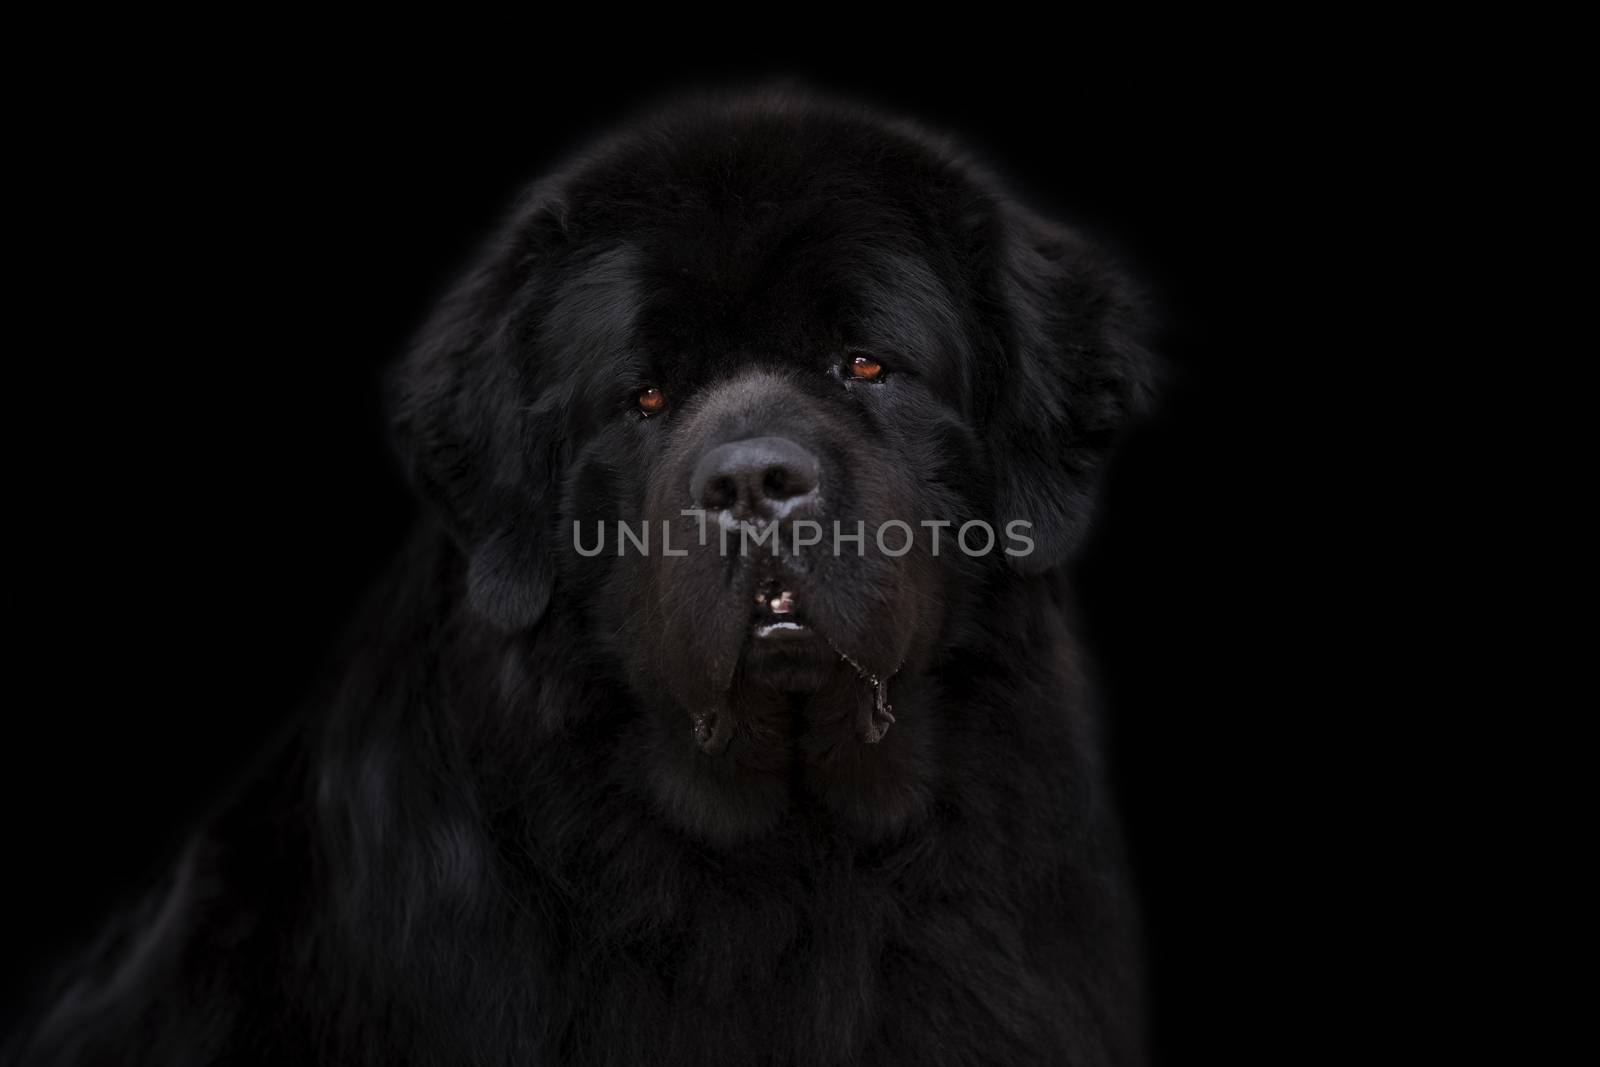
x,y
796,767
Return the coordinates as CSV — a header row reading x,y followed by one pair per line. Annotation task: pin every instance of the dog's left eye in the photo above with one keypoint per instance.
x,y
863,367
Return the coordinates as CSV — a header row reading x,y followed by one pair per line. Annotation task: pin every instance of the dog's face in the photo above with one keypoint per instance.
x,y
790,350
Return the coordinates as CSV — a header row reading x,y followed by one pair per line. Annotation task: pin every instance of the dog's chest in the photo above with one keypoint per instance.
x,y
853,975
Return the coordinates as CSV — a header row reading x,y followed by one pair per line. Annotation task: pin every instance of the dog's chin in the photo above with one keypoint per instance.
x,y
791,662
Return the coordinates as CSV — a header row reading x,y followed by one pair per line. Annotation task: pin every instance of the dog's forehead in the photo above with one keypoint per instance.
x,y
801,302
793,292
772,238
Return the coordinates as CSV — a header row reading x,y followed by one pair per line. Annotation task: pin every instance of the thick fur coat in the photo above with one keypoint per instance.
x,y
564,808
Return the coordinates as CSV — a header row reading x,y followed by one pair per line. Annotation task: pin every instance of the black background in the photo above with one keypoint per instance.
x,y
233,250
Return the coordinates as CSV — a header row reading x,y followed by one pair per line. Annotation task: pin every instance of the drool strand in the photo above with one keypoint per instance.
x,y
875,718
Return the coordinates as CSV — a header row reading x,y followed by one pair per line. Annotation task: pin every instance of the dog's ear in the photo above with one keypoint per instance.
x,y
468,423
1078,371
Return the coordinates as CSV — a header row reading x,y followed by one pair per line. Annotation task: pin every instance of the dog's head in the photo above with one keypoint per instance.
x,y
767,392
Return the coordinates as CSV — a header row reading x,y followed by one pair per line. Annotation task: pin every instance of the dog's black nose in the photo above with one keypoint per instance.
x,y
759,477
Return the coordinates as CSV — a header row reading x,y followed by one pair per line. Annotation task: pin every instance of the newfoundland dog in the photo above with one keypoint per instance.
x,y
724,709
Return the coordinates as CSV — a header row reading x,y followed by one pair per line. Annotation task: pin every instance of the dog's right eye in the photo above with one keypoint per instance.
x,y
652,401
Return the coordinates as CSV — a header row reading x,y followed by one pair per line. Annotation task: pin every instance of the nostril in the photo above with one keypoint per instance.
x,y
776,484
783,482
720,492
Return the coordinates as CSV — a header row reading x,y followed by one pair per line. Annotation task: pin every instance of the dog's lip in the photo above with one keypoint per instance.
x,y
777,613
784,629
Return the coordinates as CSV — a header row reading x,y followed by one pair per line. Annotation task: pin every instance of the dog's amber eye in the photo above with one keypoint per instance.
x,y
865,368
651,401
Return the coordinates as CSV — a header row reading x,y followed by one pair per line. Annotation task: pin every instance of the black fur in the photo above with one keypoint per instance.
x,y
497,840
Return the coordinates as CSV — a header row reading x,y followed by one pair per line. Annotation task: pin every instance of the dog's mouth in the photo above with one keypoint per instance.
x,y
793,650
778,615
787,647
